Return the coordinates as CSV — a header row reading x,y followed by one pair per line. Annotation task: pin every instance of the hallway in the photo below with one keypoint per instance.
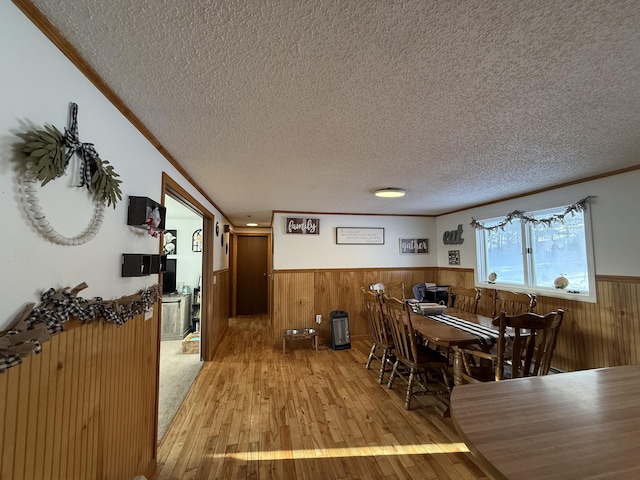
x,y
254,413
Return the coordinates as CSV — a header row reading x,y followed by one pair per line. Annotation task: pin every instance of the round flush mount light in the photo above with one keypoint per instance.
x,y
390,192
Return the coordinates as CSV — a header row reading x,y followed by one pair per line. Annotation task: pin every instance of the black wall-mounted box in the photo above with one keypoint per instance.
x,y
135,264
141,208
140,264
158,264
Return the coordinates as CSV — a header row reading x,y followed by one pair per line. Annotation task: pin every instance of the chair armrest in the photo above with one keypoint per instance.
x,y
478,354
473,366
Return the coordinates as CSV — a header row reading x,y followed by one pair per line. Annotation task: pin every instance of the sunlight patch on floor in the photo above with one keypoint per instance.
x,y
368,451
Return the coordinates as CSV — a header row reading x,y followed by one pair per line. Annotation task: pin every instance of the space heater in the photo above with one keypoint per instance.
x,y
340,338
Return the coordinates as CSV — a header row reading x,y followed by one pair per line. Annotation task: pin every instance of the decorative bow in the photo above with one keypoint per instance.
x,y
86,151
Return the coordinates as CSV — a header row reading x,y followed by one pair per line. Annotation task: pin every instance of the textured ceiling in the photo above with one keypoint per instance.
x,y
311,105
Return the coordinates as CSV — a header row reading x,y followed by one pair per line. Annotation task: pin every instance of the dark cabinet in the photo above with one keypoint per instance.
x,y
195,310
158,264
146,214
139,264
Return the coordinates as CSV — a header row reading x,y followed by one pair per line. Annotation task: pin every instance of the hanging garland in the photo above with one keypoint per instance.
x,y
48,153
579,206
35,325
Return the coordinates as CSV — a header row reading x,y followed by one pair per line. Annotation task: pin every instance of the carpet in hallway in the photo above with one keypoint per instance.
x,y
177,373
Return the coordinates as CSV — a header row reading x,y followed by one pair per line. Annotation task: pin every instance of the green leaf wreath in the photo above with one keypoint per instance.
x,y
48,153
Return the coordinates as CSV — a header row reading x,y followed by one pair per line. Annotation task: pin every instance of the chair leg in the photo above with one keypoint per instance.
x,y
372,355
445,377
383,365
394,372
407,398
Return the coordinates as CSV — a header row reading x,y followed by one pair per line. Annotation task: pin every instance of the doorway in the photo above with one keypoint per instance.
x,y
180,356
252,274
199,274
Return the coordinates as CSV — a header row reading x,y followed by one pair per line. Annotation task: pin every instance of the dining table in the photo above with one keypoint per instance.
x,y
455,328
574,425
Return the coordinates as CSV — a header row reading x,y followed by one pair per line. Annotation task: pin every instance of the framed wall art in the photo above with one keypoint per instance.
x,y
302,226
414,245
196,241
170,239
359,236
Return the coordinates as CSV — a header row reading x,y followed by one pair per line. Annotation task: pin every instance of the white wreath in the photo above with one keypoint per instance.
x,y
39,219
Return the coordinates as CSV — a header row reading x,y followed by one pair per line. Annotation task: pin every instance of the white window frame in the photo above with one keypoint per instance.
x,y
482,274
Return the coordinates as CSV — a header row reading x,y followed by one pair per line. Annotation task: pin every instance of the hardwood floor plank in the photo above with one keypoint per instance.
x,y
317,464
258,414
219,455
204,467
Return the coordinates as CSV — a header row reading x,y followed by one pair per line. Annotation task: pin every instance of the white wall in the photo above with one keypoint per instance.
x,y
294,251
36,87
614,218
189,263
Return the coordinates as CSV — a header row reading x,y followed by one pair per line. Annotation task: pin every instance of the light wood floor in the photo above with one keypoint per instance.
x,y
254,413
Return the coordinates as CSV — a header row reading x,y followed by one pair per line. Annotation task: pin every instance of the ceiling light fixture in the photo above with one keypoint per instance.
x,y
250,223
390,192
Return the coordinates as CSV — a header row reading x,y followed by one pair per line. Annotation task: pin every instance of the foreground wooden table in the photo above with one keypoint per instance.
x,y
578,425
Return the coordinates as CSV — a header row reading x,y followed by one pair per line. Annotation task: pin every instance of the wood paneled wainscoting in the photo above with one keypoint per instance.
x,y
85,408
593,335
216,325
602,334
300,295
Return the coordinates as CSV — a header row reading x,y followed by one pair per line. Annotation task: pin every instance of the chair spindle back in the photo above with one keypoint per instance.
x,y
465,299
373,305
390,289
399,321
533,344
513,303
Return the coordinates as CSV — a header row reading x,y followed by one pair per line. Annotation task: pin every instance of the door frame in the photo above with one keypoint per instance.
x,y
170,186
234,262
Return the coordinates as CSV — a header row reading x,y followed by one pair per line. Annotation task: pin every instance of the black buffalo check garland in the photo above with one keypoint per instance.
x,y
35,324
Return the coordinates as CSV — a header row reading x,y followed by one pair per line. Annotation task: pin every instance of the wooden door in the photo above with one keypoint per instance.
x,y
252,275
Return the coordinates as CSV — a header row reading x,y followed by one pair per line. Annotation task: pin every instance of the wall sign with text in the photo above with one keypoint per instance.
x,y
453,237
414,245
303,226
359,236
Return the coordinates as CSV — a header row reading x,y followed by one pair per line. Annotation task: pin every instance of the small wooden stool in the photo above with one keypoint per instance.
x,y
299,334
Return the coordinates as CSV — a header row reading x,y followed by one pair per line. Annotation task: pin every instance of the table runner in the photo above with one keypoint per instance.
x,y
485,335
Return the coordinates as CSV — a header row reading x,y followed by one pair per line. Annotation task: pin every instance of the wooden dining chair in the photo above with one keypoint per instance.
x,y
390,289
381,336
525,348
465,299
512,303
414,361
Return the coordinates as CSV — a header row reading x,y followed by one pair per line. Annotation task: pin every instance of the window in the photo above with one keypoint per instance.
x,y
529,251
